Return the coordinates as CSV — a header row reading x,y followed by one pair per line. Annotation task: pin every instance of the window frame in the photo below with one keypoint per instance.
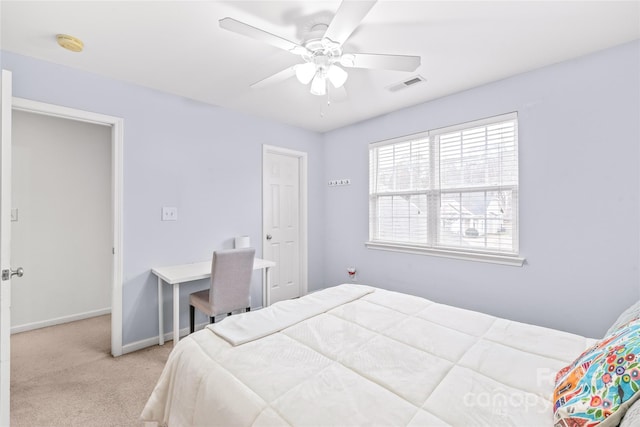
x,y
433,195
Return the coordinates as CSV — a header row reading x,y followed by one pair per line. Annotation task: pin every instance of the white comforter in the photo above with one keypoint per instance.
x,y
355,355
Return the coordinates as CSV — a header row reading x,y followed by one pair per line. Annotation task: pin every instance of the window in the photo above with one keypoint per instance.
x,y
448,192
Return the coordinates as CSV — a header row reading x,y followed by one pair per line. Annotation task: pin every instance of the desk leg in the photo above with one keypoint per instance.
x,y
266,291
160,314
176,313
264,287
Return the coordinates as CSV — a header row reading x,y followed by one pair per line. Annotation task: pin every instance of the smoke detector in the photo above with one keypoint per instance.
x,y
70,43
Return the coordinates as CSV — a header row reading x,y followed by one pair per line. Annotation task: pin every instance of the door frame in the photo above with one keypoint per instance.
x,y
302,211
117,140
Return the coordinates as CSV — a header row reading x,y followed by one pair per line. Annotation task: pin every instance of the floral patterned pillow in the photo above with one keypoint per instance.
x,y
599,386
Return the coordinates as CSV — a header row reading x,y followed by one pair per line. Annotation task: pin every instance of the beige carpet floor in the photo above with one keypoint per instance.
x,y
65,376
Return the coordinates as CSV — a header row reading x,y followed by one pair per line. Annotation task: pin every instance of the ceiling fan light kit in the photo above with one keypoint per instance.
x,y
305,72
319,85
337,76
321,55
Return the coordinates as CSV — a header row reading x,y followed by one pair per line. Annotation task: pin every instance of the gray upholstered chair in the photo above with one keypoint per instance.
x,y
230,285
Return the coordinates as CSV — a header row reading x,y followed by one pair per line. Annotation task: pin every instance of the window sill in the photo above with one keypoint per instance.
x,y
514,260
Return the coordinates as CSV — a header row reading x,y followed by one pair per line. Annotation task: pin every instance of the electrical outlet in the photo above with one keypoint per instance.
x,y
169,213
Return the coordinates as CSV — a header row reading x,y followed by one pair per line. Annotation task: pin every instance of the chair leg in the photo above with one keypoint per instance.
x,y
248,309
192,315
212,320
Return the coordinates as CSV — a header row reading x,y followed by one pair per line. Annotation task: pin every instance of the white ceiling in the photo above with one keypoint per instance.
x,y
178,47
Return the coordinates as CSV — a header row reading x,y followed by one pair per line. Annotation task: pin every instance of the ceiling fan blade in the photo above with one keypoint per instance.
x,y
383,62
258,34
347,19
276,78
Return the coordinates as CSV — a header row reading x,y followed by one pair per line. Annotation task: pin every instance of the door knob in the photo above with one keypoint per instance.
x,y
269,236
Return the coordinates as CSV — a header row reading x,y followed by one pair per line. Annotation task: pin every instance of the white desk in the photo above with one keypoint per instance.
x,y
176,274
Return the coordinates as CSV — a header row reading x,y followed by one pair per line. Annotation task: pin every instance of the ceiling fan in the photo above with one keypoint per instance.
x,y
322,52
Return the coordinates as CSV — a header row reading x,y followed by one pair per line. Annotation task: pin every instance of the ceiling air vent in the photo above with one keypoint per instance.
x,y
412,81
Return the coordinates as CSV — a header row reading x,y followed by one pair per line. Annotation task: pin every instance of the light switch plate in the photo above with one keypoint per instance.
x,y
344,181
169,213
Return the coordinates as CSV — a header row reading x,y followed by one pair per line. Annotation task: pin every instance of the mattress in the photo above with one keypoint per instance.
x,y
354,355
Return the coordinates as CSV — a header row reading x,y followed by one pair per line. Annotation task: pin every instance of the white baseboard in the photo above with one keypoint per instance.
x,y
168,336
148,342
59,320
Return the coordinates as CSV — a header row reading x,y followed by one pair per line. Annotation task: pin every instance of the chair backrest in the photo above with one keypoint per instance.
x,y
231,280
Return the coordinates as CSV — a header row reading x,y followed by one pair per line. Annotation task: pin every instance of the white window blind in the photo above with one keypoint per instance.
x,y
454,189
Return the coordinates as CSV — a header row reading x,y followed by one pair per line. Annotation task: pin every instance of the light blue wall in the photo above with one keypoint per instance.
x,y
579,130
579,193
205,160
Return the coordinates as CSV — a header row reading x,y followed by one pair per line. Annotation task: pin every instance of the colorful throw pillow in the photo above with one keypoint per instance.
x,y
599,386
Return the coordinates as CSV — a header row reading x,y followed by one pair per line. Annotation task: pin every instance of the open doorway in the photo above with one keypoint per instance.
x,y
61,220
113,127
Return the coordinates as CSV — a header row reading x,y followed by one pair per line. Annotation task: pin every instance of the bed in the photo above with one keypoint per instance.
x,y
355,355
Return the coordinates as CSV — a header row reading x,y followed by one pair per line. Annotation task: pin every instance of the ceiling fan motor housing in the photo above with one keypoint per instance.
x,y
322,50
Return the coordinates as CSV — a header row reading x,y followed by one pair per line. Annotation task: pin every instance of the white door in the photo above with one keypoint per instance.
x,y
5,243
281,220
